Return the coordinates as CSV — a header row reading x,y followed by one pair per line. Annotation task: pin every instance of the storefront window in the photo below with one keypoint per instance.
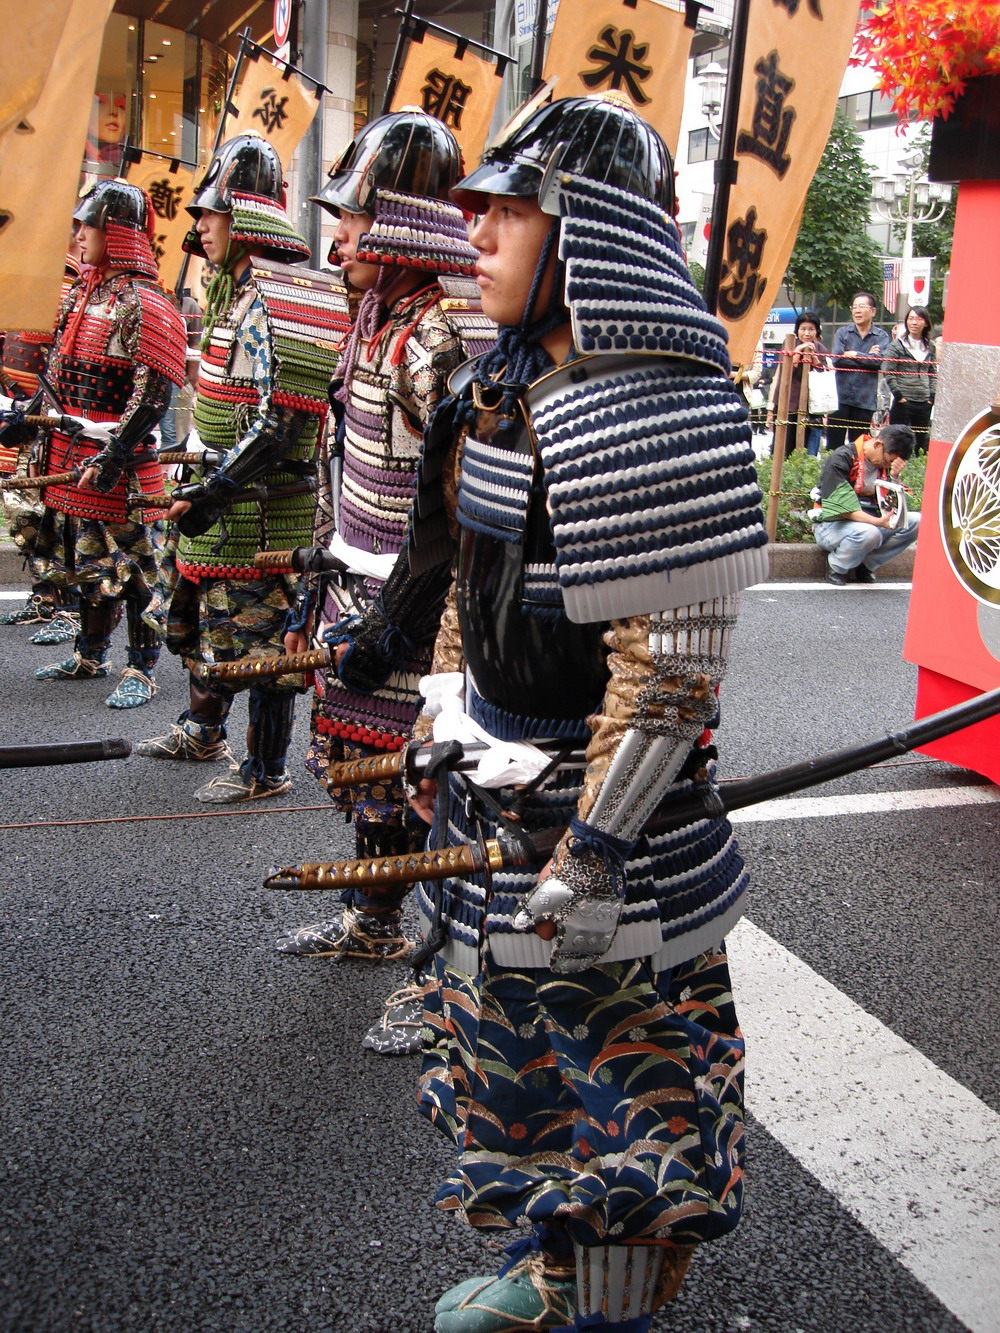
x,y
169,80
115,113
161,88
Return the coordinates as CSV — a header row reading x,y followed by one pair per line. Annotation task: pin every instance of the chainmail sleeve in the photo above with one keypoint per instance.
x,y
664,670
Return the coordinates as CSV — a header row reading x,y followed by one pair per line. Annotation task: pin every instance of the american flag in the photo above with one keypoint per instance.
x,y
890,282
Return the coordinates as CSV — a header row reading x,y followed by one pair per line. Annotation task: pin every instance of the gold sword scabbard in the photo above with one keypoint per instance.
x,y
414,866
263,668
357,772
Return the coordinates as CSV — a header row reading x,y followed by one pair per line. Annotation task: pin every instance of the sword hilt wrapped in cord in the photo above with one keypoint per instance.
x,y
209,458
37,483
413,762
302,560
471,859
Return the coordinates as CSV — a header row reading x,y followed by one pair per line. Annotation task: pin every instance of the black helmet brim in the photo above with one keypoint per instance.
x,y
341,193
215,201
519,178
92,211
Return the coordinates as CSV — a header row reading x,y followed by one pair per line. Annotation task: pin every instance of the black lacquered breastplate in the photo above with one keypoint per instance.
x,y
524,654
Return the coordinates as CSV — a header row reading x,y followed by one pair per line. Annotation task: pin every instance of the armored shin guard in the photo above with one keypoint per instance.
x,y
619,1286
271,715
143,642
97,624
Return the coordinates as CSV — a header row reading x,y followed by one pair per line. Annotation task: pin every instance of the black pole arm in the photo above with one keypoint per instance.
x,y
63,752
825,767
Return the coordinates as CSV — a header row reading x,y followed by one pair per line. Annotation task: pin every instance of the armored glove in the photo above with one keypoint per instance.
x,y
110,462
583,901
208,499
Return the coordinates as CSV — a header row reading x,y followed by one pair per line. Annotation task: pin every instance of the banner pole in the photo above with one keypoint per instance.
x,y
219,132
538,44
726,164
397,56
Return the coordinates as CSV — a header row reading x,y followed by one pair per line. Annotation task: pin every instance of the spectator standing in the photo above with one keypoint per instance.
x,y
858,352
810,353
911,374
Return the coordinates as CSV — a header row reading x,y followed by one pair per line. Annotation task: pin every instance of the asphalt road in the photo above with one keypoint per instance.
x,y
191,1137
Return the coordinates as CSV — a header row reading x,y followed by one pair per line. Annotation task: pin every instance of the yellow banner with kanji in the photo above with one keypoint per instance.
x,y
26,55
40,175
639,50
170,192
278,108
796,55
453,84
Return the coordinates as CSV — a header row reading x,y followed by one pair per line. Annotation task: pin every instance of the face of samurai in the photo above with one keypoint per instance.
x,y
91,242
213,229
509,236
349,230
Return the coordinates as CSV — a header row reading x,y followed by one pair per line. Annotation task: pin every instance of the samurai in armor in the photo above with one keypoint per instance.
x,y
25,355
582,1050
261,402
119,347
405,247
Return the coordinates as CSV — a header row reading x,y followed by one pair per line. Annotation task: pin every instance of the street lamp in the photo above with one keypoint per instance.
x,y
909,197
712,82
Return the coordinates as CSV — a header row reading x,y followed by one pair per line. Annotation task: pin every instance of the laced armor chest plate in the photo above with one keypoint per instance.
x,y
392,389
128,323
24,355
304,313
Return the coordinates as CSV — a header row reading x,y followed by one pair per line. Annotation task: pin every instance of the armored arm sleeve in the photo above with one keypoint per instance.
x,y
403,616
448,656
149,399
661,695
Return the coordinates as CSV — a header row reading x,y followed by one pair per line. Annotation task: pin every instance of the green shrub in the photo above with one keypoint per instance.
x,y
801,474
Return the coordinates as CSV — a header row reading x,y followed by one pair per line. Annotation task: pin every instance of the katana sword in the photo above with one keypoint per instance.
x,y
412,762
702,801
210,458
303,560
36,483
63,752
157,500
503,851
54,420
65,478
266,668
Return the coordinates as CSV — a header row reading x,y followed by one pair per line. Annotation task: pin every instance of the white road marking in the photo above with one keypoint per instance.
x,y
821,585
863,803
907,1150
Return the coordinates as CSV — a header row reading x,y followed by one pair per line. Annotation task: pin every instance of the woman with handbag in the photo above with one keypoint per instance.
x,y
809,353
911,374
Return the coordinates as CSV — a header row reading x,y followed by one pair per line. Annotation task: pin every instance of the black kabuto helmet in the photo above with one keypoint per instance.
x,y
244,179
124,213
597,137
246,164
115,201
408,151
